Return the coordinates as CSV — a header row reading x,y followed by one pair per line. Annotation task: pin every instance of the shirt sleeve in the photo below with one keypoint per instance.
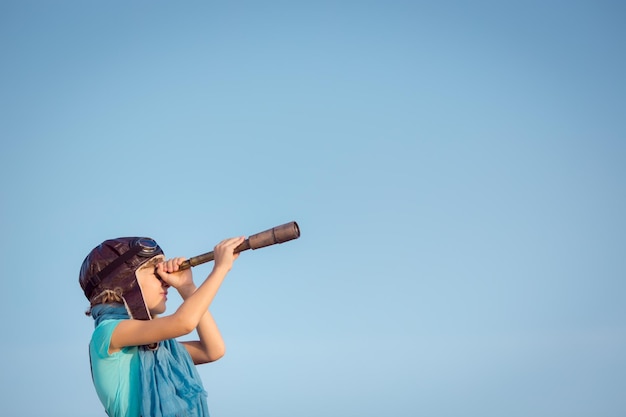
x,y
101,338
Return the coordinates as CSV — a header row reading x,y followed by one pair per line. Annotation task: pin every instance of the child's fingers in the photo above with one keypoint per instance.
x,y
234,241
160,269
224,251
229,243
172,265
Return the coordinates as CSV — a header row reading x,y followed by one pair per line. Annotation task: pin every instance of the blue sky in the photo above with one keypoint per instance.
x,y
457,170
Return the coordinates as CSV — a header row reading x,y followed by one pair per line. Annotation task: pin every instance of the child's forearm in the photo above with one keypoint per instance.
x,y
196,302
211,342
211,345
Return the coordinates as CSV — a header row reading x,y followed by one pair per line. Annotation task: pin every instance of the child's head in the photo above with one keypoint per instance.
x,y
108,273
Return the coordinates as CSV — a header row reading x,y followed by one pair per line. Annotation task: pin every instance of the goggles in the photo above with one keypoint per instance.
x,y
147,247
143,247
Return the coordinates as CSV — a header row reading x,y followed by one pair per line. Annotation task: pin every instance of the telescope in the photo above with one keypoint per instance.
x,y
279,234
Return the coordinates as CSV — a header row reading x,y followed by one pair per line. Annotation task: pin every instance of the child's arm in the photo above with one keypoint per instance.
x,y
211,345
188,316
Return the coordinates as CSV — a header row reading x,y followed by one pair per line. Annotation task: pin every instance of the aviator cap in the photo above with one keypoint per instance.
x,y
112,265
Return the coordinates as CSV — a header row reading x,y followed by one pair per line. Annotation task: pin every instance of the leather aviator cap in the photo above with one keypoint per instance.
x,y
112,265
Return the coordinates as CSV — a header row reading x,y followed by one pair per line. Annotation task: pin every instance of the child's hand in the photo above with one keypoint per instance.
x,y
223,252
170,274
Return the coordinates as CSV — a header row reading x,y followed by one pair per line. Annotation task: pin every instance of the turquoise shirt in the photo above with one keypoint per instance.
x,y
116,376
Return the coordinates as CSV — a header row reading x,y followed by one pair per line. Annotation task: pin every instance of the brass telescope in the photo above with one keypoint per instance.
x,y
279,234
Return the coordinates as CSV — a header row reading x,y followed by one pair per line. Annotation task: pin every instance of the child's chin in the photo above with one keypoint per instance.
x,y
156,311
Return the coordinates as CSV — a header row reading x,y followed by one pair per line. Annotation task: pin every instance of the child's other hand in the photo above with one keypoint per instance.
x,y
223,252
172,276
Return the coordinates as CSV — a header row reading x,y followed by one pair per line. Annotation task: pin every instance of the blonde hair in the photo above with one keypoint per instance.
x,y
106,297
152,263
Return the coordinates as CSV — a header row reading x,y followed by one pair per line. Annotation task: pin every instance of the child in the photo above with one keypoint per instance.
x,y
138,369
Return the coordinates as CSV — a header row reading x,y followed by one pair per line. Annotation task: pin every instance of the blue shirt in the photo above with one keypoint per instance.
x,y
116,376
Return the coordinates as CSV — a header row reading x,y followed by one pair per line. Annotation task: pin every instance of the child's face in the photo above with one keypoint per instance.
x,y
153,289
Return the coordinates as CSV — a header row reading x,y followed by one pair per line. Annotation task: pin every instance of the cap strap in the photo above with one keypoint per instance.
x,y
96,279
